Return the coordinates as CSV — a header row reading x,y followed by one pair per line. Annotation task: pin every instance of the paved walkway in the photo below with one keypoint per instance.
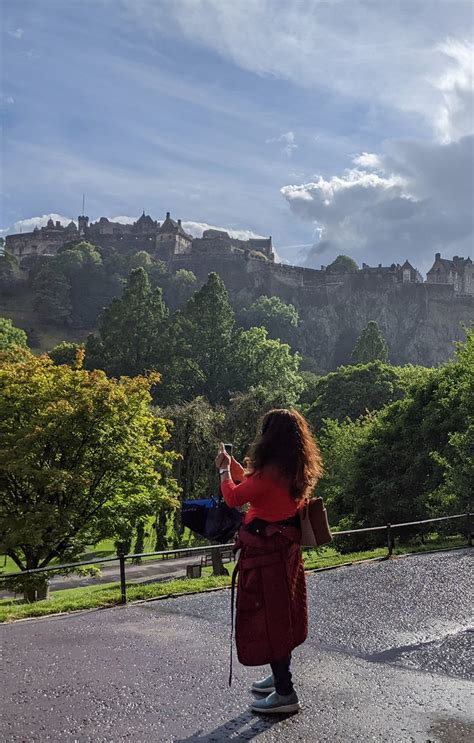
x,y
388,659
148,571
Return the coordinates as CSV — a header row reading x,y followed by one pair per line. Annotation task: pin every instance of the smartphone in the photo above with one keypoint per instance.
x,y
228,448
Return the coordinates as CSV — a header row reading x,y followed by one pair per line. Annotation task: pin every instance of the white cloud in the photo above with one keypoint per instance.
x,y
288,139
27,225
17,33
456,115
123,220
368,160
359,49
419,203
413,199
197,228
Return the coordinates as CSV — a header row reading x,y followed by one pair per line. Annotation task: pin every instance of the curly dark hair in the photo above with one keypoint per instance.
x,y
286,443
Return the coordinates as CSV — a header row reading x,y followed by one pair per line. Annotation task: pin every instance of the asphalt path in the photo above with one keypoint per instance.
x,y
389,658
147,571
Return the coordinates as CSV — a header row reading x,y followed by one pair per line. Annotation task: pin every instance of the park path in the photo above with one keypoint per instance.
x,y
389,658
150,570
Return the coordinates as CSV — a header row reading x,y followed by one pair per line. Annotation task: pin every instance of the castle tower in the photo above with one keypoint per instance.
x,y
83,224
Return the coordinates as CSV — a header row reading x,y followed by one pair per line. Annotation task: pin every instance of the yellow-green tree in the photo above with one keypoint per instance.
x,y
10,336
82,457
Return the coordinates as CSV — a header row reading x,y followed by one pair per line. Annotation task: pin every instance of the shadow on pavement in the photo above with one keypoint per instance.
x,y
242,728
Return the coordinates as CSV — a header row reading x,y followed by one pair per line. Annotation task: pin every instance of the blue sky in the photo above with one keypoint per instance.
x,y
250,116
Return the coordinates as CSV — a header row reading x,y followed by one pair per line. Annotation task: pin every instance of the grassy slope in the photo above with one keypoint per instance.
x,y
109,594
19,309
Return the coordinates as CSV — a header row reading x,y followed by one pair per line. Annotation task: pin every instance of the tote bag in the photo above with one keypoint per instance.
x,y
315,531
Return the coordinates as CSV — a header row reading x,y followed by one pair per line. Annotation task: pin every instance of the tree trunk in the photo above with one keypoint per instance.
x,y
161,528
217,564
42,591
139,542
178,529
36,590
29,593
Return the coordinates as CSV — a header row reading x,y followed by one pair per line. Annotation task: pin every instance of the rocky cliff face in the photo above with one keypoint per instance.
x,y
420,325
421,322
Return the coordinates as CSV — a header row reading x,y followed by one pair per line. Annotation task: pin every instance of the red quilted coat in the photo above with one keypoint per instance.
x,y
271,610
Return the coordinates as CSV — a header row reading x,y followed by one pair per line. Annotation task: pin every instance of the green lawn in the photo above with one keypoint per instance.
x,y
105,595
105,548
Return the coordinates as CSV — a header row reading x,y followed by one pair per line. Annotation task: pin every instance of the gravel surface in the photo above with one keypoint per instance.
x,y
388,659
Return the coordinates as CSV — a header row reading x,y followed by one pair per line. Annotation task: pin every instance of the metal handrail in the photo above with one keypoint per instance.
x,y
70,565
208,548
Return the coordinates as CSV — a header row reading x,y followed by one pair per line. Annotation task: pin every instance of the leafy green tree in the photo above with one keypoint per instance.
x,y
195,434
9,274
370,346
142,259
244,411
201,342
309,392
66,353
280,319
131,330
73,287
341,443
457,460
93,284
343,264
457,464
260,361
412,449
10,336
52,298
352,391
182,286
82,256
79,453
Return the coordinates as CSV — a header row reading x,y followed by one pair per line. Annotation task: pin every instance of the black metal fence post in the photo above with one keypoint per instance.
x,y
123,584
389,540
469,529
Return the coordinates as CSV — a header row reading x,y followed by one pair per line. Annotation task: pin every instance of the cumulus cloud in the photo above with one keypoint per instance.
x,y
289,141
123,220
419,203
17,33
27,225
410,201
197,228
368,160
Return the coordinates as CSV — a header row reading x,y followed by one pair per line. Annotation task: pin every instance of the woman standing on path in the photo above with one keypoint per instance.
x,y
283,467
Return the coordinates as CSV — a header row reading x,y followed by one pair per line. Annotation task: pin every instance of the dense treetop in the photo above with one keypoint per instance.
x,y
81,454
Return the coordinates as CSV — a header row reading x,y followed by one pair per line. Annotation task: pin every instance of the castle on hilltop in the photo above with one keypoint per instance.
x,y
163,241
243,262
